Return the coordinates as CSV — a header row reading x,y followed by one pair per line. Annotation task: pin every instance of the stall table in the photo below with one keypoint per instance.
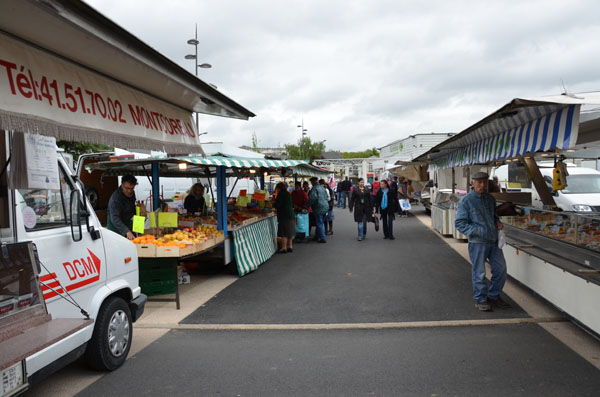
x,y
159,275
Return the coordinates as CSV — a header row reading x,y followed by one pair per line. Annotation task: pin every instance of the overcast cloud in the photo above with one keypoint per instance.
x,y
365,73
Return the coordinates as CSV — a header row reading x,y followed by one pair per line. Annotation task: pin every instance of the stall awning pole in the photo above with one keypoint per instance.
x,y
221,199
262,182
155,187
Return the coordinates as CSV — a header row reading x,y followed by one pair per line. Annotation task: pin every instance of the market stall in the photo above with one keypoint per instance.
x,y
244,226
554,253
87,81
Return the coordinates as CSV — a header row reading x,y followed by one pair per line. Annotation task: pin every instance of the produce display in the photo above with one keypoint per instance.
x,y
178,242
583,231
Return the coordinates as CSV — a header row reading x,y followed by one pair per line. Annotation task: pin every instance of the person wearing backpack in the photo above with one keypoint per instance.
x,y
317,200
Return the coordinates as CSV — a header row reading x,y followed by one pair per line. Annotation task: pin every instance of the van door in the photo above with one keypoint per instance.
x,y
68,267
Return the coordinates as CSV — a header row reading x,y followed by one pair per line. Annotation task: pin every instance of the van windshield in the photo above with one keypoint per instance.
x,y
582,184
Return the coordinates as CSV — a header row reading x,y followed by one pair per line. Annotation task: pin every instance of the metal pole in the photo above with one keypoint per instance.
x,y
155,187
196,62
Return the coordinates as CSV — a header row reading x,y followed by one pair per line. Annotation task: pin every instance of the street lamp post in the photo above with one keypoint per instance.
x,y
194,56
303,130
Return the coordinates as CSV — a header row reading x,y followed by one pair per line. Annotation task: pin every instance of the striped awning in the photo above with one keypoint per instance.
x,y
517,132
205,166
239,162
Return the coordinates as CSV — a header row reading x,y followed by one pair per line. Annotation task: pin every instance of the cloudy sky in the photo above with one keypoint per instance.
x,y
363,73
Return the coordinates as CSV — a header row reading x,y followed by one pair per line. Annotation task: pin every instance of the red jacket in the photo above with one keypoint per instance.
x,y
299,199
375,188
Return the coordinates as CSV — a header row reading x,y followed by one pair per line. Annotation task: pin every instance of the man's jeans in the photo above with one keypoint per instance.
x,y
320,229
346,198
362,227
478,253
340,199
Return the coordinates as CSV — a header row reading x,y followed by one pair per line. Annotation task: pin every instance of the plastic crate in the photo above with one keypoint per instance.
x,y
156,274
159,287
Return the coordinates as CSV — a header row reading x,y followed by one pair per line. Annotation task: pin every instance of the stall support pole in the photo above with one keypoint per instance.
x,y
295,178
262,182
453,181
221,200
155,187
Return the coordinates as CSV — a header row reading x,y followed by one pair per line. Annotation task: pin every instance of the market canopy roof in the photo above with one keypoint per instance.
x,y
205,166
520,127
92,81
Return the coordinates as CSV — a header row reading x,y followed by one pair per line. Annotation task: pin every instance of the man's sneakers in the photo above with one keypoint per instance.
x,y
484,306
499,302
487,305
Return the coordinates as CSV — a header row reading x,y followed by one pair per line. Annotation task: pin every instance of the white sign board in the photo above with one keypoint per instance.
x,y
42,165
59,98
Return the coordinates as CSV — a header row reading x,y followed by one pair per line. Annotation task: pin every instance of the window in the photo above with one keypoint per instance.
x,y
51,207
582,184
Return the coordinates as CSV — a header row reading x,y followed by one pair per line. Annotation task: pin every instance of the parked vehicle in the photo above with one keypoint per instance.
x,y
582,195
85,271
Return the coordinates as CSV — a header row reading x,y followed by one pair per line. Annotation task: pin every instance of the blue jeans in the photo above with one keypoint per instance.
x,y
478,253
362,227
340,199
319,228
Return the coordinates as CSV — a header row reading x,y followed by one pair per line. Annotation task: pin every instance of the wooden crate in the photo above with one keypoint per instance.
x,y
219,239
167,252
146,250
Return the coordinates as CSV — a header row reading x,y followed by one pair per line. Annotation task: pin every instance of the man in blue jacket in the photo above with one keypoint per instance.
x,y
476,218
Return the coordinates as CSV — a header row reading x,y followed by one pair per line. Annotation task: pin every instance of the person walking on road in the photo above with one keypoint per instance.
x,y
317,200
387,203
346,186
362,206
286,218
338,193
477,219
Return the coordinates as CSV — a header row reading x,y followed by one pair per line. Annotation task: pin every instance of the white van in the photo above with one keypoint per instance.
x,y
85,271
582,195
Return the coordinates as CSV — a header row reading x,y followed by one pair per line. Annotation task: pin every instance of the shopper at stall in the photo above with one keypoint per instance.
x,y
402,195
362,206
387,203
121,208
328,220
195,202
286,218
477,219
317,200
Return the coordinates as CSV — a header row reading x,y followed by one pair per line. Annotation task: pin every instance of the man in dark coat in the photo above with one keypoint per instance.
x,y
121,208
362,206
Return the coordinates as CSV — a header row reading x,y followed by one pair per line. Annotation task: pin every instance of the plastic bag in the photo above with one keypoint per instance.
x,y
501,238
302,224
404,204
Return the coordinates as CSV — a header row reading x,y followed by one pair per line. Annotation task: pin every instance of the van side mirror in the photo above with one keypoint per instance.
x,y
75,216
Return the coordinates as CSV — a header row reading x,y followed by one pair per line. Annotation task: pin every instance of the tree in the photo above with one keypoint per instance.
x,y
360,155
255,143
79,148
305,149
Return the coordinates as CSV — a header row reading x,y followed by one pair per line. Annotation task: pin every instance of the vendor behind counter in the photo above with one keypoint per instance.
x,y
195,202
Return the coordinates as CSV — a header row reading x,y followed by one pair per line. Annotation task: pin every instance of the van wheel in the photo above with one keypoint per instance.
x,y
111,341
93,196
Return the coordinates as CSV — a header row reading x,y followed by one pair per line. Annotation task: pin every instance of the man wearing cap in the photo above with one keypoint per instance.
x,y
477,219
318,201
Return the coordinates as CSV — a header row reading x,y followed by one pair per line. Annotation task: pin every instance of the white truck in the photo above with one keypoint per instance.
x,y
85,271
582,195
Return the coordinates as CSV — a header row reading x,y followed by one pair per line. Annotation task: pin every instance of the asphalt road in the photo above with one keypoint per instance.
x,y
416,277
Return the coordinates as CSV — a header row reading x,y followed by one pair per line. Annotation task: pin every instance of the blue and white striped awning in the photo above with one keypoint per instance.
x,y
239,162
524,128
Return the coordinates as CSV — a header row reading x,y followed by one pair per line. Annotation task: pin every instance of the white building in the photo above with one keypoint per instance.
x,y
407,149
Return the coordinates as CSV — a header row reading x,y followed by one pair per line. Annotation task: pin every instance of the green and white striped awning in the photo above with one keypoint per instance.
x,y
239,162
205,166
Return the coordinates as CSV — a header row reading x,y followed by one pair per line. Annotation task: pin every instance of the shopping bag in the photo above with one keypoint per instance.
x,y
302,224
404,205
